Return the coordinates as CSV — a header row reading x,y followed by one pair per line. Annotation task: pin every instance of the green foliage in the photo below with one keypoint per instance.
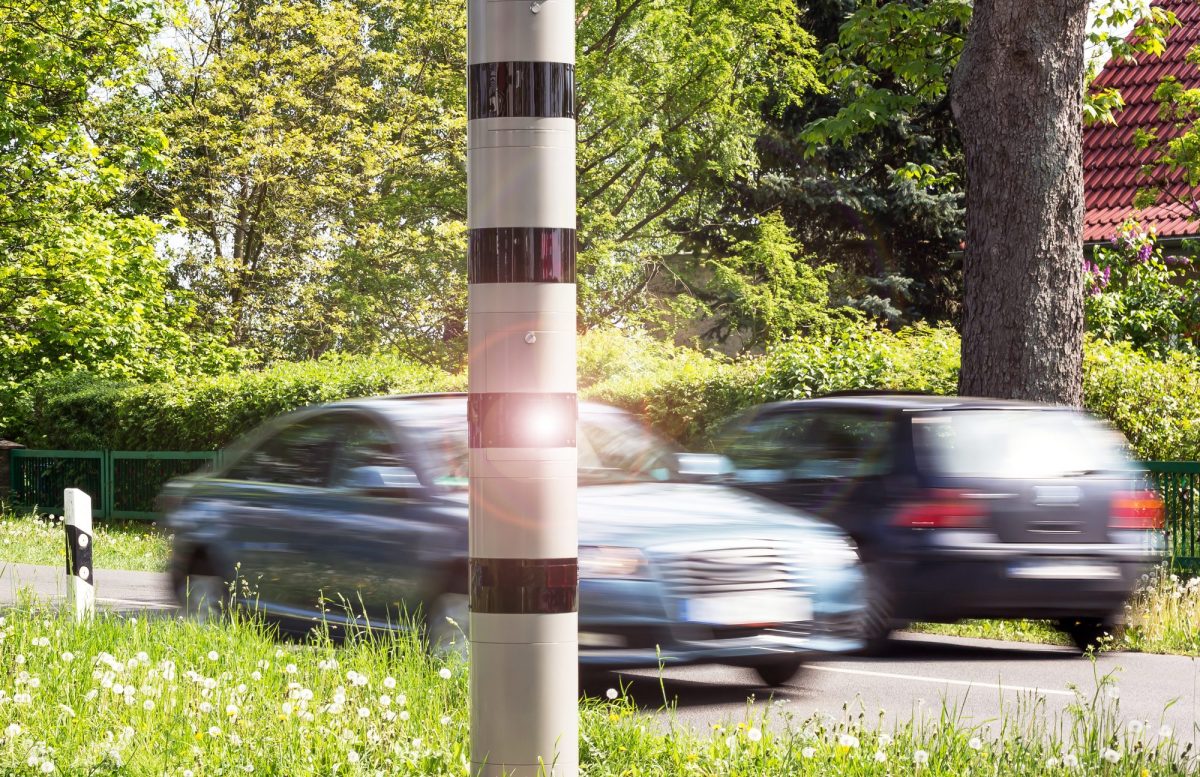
x,y
202,412
689,395
262,707
318,173
763,290
686,394
1138,295
1155,403
669,109
81,284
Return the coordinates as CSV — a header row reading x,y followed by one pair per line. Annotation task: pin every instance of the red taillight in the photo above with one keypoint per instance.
x,y
941,509
1137,510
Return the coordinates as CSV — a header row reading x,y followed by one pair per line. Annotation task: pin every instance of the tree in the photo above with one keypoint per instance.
x,y
81,285
1017,97
319,154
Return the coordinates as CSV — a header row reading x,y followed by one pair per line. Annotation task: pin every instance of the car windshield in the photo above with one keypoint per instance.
x,y
1016,444
613,448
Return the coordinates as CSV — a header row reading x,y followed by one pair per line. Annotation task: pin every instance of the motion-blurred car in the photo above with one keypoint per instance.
x,y
962,508
366,500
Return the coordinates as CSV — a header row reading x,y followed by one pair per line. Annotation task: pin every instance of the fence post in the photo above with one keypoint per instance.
x,y
6,449
80,576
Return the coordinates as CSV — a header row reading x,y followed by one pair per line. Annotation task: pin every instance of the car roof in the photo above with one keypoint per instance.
x,y
409,405
910,402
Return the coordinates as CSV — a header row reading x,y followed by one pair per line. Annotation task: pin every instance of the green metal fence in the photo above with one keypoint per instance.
x,y
122,484
1179,484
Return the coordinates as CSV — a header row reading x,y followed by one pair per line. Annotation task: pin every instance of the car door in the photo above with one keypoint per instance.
x,y
271,490
387,540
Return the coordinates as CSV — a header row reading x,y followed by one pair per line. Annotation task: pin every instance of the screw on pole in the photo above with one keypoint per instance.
x,y
81,590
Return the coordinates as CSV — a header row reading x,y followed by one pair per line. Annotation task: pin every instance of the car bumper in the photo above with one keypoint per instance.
x,y
996,580
632,624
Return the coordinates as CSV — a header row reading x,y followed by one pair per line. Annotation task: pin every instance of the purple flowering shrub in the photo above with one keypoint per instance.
x,y
1138,295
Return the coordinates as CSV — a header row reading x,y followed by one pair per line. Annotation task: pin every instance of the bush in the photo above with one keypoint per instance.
x,y
688,395
684,393
201,413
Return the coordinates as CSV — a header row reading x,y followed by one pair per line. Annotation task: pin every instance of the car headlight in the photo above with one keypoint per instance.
x,y
610,561
833,552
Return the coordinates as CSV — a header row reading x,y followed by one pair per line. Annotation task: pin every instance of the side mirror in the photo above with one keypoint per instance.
x,y
392,482
703,467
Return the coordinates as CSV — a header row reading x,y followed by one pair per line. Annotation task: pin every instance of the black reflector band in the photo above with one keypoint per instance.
x,y
79,554
498,90
517,586
522,420
521,255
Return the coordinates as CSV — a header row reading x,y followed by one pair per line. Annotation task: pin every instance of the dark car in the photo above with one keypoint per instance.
x,y
366,502
962,508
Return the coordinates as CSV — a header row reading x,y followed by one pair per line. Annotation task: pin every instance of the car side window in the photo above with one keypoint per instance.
x,y
847,445
805,445
297,455
768,448
366,444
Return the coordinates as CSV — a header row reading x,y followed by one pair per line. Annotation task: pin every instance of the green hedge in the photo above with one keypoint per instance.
x,y
684,393
200,413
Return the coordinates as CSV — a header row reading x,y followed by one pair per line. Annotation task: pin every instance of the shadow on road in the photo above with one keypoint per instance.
x,y
959,649
650,692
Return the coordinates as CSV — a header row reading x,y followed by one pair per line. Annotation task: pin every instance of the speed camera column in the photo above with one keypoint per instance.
x,y
522,406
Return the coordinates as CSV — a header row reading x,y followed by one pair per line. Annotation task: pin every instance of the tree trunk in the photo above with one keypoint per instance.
x,y
1017,96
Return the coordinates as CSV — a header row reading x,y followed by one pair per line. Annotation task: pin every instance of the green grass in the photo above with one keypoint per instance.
x,y
159,696
134,545
1163,616
1040,632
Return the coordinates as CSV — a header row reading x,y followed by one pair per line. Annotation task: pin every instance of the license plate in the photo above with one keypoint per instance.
x,y
742,610
1064,570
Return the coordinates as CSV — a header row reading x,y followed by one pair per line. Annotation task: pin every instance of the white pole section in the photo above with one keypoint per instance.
x,y
522,406
78,522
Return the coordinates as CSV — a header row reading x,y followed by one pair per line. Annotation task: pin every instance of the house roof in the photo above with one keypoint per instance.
x,y
1111,165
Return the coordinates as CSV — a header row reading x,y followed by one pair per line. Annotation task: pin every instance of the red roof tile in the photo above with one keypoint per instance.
x,y
1112,167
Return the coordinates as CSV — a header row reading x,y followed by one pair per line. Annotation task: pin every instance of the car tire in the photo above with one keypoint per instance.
x,y
446,624
777,673
201,592
878,622
1090,633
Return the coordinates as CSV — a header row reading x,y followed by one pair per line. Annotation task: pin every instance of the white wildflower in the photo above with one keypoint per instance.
x,y
444,673
389,683
880,757
975,744
1110,755
611,693
920,757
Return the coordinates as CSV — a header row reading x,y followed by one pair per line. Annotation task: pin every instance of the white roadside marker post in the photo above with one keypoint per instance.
x,y
80,578
522,405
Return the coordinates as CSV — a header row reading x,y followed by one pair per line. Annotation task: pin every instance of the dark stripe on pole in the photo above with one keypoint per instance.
x,y
499,90
518,420
521,255
516,586
78,556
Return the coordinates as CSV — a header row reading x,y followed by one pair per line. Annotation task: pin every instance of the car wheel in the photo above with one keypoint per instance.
x,y
777,673
878,619
200,593
1090,633
446,624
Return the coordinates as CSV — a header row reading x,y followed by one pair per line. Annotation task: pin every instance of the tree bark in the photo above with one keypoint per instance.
x,y
1017,97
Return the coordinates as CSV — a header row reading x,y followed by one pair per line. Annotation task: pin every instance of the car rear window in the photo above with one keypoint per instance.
x,y
1016,444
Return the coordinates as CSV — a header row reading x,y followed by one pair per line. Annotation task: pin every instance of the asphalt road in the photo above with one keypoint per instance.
x,y
979,680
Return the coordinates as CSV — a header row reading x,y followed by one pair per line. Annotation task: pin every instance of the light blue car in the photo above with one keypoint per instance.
x,y
365,501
